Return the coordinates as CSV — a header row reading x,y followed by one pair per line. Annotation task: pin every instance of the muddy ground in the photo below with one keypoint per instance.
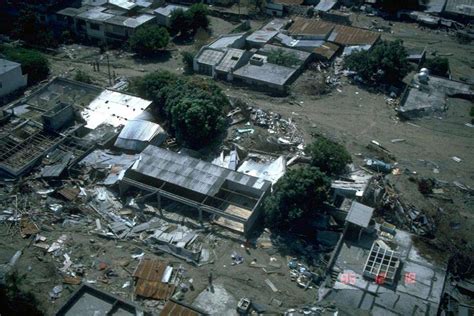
x,y
348,114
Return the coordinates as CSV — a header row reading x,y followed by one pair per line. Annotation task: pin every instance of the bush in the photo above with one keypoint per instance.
x,y
188,61
149,40
385,62
280,57
193,107
296,198
328,156
28,28
33,63
82,77
437,66
188,22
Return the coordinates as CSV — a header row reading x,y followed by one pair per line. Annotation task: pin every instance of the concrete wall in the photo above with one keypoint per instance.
x,y
12,80
96,34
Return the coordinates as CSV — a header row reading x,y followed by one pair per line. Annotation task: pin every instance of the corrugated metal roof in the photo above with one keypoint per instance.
x,y
269,73
137,133
113,108
360,214
210,56
190,173
149,274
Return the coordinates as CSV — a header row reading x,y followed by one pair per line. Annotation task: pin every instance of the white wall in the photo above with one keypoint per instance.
x,y
11,81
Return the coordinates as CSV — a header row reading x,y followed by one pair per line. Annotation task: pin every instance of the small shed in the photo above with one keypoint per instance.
x,y
360,216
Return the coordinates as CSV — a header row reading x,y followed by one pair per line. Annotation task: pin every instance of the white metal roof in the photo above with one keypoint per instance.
x,y
113,108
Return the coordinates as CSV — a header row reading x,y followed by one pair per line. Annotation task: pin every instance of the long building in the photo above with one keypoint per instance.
x,y
233,199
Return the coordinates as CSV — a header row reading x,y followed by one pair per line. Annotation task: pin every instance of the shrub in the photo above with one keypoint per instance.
x,y
82,77
280,57
188,61
438,66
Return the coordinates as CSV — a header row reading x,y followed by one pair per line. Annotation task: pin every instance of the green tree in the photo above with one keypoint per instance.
x,y
196,121
193,107
28,28
33,63
296,198
82,77
180,22
149,40
328,156
280,57
188,61
198,13
188,22
385,62
438,66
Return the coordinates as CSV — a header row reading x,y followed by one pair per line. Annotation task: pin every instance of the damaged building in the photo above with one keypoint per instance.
x,y
233,199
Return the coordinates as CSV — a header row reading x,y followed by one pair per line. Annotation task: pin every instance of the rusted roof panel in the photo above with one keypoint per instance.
x,y
174,309
302,26
339,34
149,274
289,2
348,35
327,50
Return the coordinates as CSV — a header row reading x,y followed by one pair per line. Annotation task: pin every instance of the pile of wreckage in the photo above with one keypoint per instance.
x,y
282,131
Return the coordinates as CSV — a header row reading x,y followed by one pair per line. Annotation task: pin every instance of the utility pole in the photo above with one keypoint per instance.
x,y
108,68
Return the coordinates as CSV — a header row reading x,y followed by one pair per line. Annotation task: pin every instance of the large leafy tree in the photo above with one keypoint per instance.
x,y
296,199
328,156
149,40
188,22
193,107
33,63
385,62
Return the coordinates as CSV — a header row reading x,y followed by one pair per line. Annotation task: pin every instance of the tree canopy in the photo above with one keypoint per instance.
x,y
193,107
33,63
296,198
438,66
188,22
28,28
82,77
328,156
385,62
149,40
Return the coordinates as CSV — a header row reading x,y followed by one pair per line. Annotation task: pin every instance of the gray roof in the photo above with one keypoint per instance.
x,y
230,59
360,214
95,14
462,7
168,9
325,5
190,173
6,65
269,73
137,133
130,22
267,32
226,40
210,56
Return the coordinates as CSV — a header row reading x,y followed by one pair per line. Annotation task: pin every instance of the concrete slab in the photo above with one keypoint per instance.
x,y
218,302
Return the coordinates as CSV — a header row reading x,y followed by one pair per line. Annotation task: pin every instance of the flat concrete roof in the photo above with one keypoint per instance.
x,y
210,56
269,73
417,289
7,65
